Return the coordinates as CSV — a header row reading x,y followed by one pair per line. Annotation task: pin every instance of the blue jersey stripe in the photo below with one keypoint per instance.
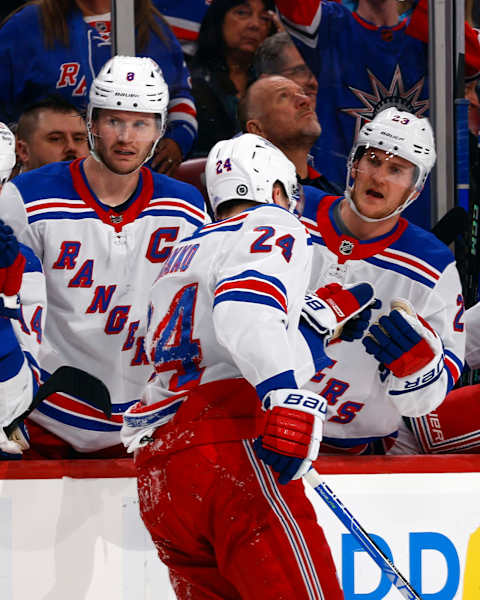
x,y
162,212
402,270
202,233
52,216
76,420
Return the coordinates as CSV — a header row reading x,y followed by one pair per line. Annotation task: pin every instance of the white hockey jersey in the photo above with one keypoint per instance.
x,y
99,266
472,328
227,305
408,263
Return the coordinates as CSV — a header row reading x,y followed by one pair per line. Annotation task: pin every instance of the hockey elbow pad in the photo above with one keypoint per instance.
x,y
340,312
12,262
293,432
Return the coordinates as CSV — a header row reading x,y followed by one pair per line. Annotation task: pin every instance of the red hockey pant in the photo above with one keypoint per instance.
x,y
227,530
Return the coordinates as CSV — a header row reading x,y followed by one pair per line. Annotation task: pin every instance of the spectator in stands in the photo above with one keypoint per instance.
x,y
278,55
68,41
280,111
222,67
50,130
364,61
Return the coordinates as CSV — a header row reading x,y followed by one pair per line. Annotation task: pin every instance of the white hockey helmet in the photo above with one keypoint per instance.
x,y
398,133
7,153
129,83
246,168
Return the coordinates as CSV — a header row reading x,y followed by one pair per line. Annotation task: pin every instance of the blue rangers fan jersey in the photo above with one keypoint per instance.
x,y
406,263
29,71
185,18
99,266
361,69
227,305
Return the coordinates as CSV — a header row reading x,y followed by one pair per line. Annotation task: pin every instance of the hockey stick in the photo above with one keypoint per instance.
x,y
74,382
346,517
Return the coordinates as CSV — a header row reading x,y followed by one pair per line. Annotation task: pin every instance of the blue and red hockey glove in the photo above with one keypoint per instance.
x,y
340,312
403,342
293,432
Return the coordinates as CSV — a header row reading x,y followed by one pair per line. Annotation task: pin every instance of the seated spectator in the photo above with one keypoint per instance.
x,y
222,67
49,131
277,109
68,42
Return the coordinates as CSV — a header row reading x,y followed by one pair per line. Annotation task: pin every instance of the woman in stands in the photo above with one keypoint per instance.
x,y
221,68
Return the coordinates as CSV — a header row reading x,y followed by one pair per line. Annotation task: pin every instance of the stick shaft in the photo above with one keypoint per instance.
x,y
346,517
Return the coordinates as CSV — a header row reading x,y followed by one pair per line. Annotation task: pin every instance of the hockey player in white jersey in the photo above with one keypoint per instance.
x,y
414,356
230,364
22,302
103,226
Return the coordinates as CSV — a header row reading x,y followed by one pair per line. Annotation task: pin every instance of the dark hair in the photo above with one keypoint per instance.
x,y
54,16
268,58
210,39
28,118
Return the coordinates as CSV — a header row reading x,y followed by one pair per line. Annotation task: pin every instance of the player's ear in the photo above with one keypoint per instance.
x,y
23,153
275,194
353,172
254,126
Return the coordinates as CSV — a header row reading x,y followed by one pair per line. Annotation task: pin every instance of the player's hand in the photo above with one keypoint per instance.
x,y
293,432
167,157
12,262
340,312
403,341
11,448
276,22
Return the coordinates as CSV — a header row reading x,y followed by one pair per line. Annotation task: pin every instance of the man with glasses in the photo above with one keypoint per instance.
x,y
280,110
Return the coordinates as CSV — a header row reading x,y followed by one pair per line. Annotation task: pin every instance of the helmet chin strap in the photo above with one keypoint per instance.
x,y
398,210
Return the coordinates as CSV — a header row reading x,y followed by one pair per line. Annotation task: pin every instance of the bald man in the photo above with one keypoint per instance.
x,y
278,109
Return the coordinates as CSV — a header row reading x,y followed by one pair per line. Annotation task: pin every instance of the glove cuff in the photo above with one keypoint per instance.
x,y
302,400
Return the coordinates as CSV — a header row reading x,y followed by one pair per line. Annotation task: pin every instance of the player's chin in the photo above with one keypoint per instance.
x,y
124,165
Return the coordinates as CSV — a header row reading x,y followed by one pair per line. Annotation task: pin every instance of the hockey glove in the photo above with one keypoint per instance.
x,y
403,341
340,312
12,262
293,432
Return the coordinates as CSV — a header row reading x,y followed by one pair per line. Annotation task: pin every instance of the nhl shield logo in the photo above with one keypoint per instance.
x,y
346,247
115,219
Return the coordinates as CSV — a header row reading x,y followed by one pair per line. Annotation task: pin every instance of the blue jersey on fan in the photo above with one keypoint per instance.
x,y
29,71
361,69
185,18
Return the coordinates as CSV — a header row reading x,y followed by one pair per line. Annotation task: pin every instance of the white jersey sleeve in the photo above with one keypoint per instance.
x,y
259,285
472,332
13,211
